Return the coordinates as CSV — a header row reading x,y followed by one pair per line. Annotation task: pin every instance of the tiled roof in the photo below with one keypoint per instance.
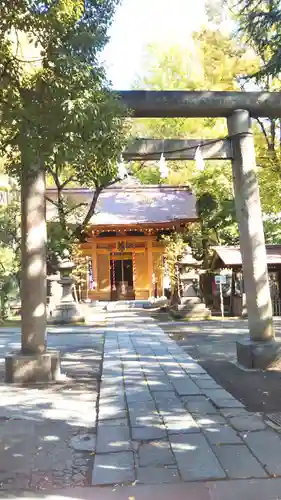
x,y
231,256
138,204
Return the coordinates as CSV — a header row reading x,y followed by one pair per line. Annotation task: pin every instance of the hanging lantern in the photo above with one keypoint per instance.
x,y
113,274
199,160
163,169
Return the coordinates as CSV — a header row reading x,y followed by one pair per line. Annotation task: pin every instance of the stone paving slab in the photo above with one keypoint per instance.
x,y
177,424
159,384
247,423
169,404
155,453
146,420
185,387
112,438
238,462
117,422
206,383
110,411
234,412
217,394
199,404
266,446
195,458
221,434
114,468
210,421
149,432
136,395
228,403
157,475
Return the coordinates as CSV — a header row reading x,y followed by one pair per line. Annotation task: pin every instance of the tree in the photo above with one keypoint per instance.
x,y
215,62
259,28
259,25
174,248
57,111
216,209
9,250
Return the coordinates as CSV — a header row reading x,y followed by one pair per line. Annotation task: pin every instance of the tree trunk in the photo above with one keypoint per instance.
x,y
81,228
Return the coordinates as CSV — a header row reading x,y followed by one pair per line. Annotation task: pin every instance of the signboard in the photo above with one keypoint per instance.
x,y
220,279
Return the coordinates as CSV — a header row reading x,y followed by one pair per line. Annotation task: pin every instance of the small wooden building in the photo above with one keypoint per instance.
x,y
124,245
229,259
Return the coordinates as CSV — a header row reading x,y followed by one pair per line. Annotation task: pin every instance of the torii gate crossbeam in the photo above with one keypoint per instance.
x,y
199,104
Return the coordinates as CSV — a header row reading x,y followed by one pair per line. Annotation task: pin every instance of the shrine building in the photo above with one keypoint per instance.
x,y
124,245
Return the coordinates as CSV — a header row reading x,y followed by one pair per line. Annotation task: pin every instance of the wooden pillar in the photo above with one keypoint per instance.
x,y
252,243
149,267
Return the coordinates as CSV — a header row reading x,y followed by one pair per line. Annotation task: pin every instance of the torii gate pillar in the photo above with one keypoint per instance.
x,y
34,362
260,350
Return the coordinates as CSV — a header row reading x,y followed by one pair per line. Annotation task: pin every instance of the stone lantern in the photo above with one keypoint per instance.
x,y
67,311
191,305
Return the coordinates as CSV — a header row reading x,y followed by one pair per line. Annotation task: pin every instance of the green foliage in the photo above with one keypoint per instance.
x,y
215,205
260,27
9,255
56,107
8,280
217,62
214,62
174,248
272,229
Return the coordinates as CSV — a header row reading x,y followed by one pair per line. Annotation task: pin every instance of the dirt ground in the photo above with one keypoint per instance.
x,y
213,345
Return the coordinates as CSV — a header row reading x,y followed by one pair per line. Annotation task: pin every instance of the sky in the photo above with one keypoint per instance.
x,y
138,23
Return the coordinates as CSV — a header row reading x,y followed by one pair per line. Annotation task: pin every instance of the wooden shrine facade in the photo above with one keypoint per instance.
x,y
124,247
125,265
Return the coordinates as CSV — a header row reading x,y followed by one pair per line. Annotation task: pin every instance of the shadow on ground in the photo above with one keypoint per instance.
x,y
213,345
39,424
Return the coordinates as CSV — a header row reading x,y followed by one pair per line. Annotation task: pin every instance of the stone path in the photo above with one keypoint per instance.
x,y
159,421
162,419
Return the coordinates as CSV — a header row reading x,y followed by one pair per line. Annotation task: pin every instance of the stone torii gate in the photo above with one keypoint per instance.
x,y
34,362
238,108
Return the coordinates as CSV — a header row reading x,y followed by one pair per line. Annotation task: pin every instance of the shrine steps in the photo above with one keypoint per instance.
x,y
127,305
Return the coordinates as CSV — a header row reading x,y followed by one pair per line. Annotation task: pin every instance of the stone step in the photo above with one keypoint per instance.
x,y
191,311
190,307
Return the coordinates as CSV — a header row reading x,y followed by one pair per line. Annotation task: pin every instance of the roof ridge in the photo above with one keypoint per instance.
x,y
140,187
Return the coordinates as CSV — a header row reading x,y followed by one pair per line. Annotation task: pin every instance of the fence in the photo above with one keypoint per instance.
x,y
276,307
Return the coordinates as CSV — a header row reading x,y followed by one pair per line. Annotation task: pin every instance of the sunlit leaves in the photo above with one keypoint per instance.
x,y
259,24
55,102
213,61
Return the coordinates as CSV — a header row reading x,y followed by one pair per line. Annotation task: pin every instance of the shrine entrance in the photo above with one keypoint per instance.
x,y
237,107
121,276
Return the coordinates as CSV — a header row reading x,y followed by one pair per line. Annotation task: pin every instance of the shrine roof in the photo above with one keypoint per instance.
x,y
125,205
231,256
